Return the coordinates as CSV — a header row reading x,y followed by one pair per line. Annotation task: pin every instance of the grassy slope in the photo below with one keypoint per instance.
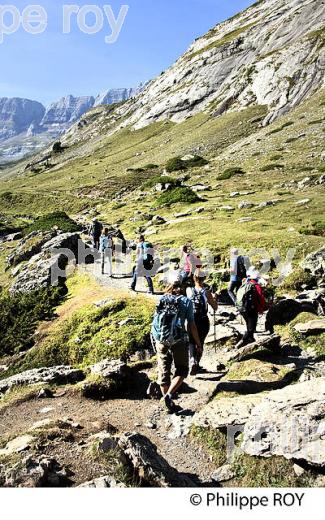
x,y
234,139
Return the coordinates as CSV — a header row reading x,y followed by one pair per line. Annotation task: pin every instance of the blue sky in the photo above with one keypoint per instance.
x,y
155,33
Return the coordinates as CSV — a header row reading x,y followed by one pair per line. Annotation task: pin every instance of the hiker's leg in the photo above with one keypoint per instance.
x,y
110,262
150,283
164,367
251,323
231,293
103,262
180,354
134,280
203,330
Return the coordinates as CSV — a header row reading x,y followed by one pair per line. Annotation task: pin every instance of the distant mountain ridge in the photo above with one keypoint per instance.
x,y
26,125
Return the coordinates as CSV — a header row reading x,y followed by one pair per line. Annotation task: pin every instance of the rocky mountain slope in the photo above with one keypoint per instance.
x,y
16,116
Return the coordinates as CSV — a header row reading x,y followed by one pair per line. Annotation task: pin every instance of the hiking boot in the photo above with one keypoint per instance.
x,y
168,404
195,369
153,390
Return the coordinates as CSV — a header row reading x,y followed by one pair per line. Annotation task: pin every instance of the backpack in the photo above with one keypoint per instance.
x,y
199,304
169,327
245,298
241,268
148,258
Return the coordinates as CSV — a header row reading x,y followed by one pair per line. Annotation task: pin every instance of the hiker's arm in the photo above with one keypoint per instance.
x,y
193,330
212,301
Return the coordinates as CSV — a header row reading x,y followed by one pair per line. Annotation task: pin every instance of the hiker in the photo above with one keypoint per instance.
x,y
191,263
201,297
144,265
170,335
250,303
95,232
106,250
237,273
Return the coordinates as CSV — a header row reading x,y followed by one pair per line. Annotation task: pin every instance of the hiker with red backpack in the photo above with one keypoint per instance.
x,y
238,273
173,319
250,303
201,297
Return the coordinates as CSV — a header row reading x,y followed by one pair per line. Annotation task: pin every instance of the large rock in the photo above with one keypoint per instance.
x,y
315,263
54,375
271,343
48,267
29,246
287,310
226,411
34,472
289,423
17,445
110,369
151,467
103,482
311,328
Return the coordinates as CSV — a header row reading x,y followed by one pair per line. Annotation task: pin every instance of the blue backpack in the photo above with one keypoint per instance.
x,y
170,329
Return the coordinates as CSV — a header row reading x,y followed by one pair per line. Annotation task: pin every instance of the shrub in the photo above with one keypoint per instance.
x,y
270,167
322,168
230,172
175,164
175,195
48,221
316,229
20,315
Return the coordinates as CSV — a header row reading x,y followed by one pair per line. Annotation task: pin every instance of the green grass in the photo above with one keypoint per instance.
x,y
214,442
271,167
315,229
91,335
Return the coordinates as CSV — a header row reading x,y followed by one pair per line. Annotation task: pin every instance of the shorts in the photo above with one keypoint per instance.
x,y
179,354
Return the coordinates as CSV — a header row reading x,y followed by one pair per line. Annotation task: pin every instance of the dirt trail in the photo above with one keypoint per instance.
x,y
133,413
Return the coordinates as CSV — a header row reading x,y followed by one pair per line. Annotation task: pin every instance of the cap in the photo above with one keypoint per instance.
x,y
253,273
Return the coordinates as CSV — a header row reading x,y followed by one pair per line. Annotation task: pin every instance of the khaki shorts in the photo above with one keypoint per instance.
x,y
179,354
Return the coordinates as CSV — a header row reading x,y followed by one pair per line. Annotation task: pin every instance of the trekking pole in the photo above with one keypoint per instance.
x,y
215,331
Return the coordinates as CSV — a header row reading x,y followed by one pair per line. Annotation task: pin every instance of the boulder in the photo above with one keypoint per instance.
x,y
227,208
226,411
245,205
34,472
152,469
55,375
268,203
29,246
158,220
311,328
271,343
289,423
17,445
223,474
303,202
285,311
201,187
313,371
48,267
109,369
315,263
103,482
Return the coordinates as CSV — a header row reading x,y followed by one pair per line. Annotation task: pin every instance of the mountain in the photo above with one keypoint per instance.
x,y
27,126
66,111
16,116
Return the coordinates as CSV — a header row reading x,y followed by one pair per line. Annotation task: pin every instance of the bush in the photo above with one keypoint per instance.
x,y
47,222
230,172
316,229
20,315
175,164
322,168
273,166
175,195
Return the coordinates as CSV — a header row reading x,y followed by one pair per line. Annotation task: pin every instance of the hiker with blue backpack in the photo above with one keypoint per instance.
x,y
250,303
238,273
201,297
145,264
106,250
173,319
